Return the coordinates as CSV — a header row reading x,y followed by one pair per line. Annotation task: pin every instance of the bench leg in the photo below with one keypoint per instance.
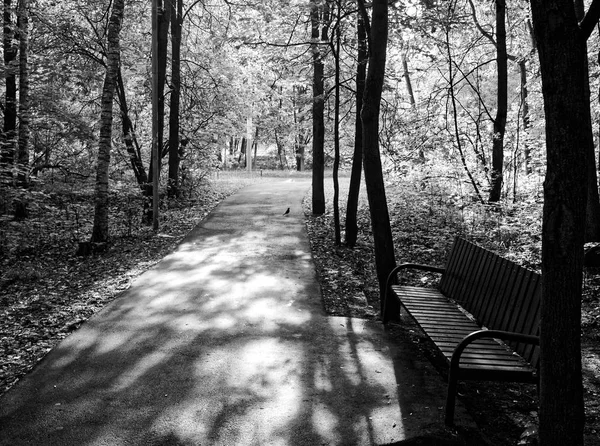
x,y
451,397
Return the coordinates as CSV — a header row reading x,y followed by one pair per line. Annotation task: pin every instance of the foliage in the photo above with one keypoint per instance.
x,y
254,58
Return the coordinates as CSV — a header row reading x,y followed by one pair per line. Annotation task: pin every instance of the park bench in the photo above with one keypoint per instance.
x,y
484,317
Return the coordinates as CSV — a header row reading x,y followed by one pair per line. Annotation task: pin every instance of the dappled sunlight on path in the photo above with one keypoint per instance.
x,y
224,342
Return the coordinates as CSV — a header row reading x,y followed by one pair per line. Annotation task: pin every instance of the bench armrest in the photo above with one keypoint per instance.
x,y
455,361
392,276
495,334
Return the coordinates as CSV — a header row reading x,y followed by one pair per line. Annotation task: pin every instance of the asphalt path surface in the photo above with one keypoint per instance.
x,y
225,342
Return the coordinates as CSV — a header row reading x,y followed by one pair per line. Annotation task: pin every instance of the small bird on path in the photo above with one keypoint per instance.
x,y
287,212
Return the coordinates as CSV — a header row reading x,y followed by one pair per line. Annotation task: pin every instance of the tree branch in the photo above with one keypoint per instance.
x,y
486,34
590,20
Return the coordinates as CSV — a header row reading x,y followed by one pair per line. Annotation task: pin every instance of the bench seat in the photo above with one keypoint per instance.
x,y
446,325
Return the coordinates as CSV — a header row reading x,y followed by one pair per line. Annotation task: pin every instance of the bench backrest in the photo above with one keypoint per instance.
x,y
500,294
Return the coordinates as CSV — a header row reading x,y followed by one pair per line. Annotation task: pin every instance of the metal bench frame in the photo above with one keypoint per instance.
x,y
484,318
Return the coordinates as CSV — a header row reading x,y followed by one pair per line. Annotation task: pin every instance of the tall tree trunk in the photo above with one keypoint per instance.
x,y
525,113
300,140
24,113
318,109
598,160
242,152
336,136
562,56
176,23
100,229
501,112
163,22
406,74
354,189
300,158
280,151
255,147
8,140
380,219
525,97
131,143
592,226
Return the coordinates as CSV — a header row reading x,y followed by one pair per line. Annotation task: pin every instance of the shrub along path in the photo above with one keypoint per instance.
x,y
225,342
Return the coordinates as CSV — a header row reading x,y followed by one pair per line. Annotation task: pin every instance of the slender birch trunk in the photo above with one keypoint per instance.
x,y
100,229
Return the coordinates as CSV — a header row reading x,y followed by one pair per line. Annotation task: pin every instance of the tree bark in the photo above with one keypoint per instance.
x,y
280,151
255,147
100,229
8,140
561,48
299,140
592,226
318,109
380,220
406,74
163,21
502,110
336,136
176,24
131,143
525,113
355,176
24,112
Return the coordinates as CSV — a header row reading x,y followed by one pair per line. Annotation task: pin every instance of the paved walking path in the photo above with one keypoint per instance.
x,y
225,342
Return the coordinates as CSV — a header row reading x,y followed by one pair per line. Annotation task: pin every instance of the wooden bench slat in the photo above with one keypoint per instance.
x,y
448,329
426,303
452,271
482,367
456,338
447,348
466,272
429,314
501,305
514,301
462,327
487,274
473,348
464,324
486,355
492,292
492,362
452,328
468,294
531,323
525,304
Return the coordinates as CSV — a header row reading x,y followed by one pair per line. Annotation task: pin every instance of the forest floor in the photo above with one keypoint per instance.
x,y
47,291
